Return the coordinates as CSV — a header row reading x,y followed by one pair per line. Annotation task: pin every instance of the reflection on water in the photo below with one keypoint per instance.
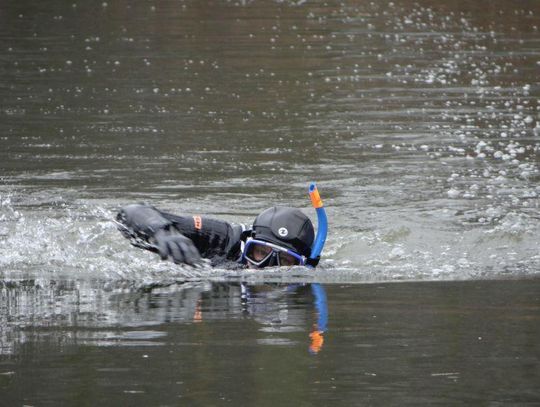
x,y
111,314
203,343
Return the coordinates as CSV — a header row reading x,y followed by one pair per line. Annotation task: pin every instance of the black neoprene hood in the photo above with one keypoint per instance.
x,y
288,227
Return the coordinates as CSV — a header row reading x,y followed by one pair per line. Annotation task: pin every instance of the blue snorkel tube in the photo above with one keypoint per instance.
x,y
322,226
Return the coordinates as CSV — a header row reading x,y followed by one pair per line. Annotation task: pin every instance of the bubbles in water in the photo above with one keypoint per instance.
x,y
413,118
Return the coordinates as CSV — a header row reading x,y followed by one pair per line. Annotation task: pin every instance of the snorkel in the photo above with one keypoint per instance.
x,y
322,226
266,240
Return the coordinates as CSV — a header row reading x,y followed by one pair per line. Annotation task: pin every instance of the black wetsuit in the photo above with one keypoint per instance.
x,y
216,240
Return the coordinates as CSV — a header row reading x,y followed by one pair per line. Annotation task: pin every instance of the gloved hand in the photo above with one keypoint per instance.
x,y
176,246
142,219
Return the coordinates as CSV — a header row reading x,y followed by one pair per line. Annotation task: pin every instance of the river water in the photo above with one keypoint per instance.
x,y
419,121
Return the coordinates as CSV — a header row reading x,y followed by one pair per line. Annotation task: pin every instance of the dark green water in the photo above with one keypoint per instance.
x,y
461,343
419,120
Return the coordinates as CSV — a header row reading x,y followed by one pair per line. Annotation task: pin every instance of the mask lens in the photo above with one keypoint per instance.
x,y
263,254
258,252
285,259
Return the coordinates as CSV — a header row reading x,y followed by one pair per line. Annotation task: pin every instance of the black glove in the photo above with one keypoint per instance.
x,y
142,219
176,246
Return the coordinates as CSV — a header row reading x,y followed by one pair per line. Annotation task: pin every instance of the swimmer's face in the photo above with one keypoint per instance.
x,y
260,252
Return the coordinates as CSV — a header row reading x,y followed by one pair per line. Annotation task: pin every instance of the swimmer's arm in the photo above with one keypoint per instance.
x,y
143,221
212,237
148,228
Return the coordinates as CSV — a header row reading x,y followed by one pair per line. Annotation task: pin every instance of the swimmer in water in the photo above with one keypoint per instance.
x,y
279,236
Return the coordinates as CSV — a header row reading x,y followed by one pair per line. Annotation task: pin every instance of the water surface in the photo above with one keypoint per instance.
x,y
464,343
419,122
417,119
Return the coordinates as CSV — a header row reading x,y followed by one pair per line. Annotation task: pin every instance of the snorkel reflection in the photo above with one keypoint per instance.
x,y
259,302
321,310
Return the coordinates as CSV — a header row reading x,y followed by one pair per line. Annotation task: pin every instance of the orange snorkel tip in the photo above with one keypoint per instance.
x,y
316,200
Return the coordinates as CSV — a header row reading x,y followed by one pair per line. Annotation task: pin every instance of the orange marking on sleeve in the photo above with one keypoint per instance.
x,y
197,220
